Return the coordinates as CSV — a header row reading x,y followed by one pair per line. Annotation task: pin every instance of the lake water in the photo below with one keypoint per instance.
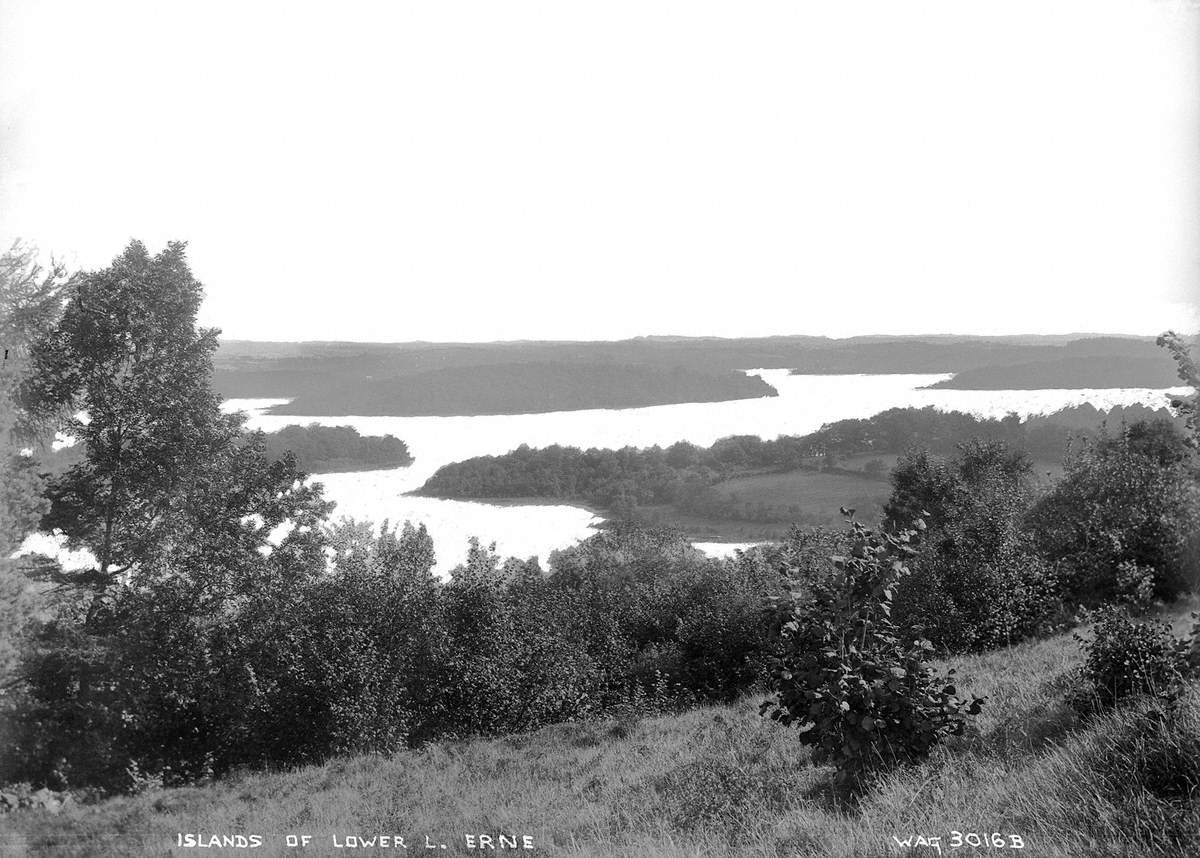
x,y
805,403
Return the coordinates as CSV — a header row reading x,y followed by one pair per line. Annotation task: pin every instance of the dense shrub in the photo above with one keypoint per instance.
x,y
680,615
1125,657
862,698
1127,498
303,660
286,667
976,583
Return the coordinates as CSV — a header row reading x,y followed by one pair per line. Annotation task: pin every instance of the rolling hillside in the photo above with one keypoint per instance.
x,y
442,379
712,781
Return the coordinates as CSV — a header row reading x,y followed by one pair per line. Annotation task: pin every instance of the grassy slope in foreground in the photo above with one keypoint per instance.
x,y
717,780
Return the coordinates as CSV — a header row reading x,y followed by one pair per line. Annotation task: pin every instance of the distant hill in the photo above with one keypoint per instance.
x,y
1069,373
514,377
525,388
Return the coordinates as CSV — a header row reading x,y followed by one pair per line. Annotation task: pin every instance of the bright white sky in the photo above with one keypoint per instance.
x,y
451,170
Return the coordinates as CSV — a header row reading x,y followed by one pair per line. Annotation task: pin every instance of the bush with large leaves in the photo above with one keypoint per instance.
x,y
864,700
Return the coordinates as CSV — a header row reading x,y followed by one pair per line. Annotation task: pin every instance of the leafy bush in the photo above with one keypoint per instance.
x,y
1134,586
1125,658
863,699
1127,498
976,582
657,606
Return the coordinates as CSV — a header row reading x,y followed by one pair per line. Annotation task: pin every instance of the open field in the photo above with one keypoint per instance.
x,y
767,505
713,781
701,528
800,496
812,493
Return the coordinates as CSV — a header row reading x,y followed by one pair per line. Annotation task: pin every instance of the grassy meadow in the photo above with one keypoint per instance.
x,y
803,494
712,781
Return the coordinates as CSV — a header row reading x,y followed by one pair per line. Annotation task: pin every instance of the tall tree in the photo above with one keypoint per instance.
x,y
176,503
29,303
127,373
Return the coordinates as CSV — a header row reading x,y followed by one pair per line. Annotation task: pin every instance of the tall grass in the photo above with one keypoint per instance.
x,y
716,780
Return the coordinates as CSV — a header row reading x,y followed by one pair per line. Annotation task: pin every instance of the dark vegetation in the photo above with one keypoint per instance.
x,y
316,449
1094,371
524,388
28,307
978,583
1126,658
195,647
504,378
330,449
790,480
861,694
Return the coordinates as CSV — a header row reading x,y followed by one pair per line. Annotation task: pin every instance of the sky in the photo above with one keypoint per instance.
x,y
468,171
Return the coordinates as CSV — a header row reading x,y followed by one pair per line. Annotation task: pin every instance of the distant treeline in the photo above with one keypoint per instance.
x,y
318,450
409,379
1044,437
1069,373
680,474
525,388
330,449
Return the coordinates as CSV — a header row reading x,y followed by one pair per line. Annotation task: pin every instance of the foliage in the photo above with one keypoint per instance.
x,y
668,611
126,372
30,299
1125,658
503,387
328,449
692,478
976,583
717,779
862,698
374,653
176,504
1148,369
1187,407
227,624
1126,498
339,664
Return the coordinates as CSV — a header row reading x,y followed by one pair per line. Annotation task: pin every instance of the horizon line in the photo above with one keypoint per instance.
x,y
706,337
